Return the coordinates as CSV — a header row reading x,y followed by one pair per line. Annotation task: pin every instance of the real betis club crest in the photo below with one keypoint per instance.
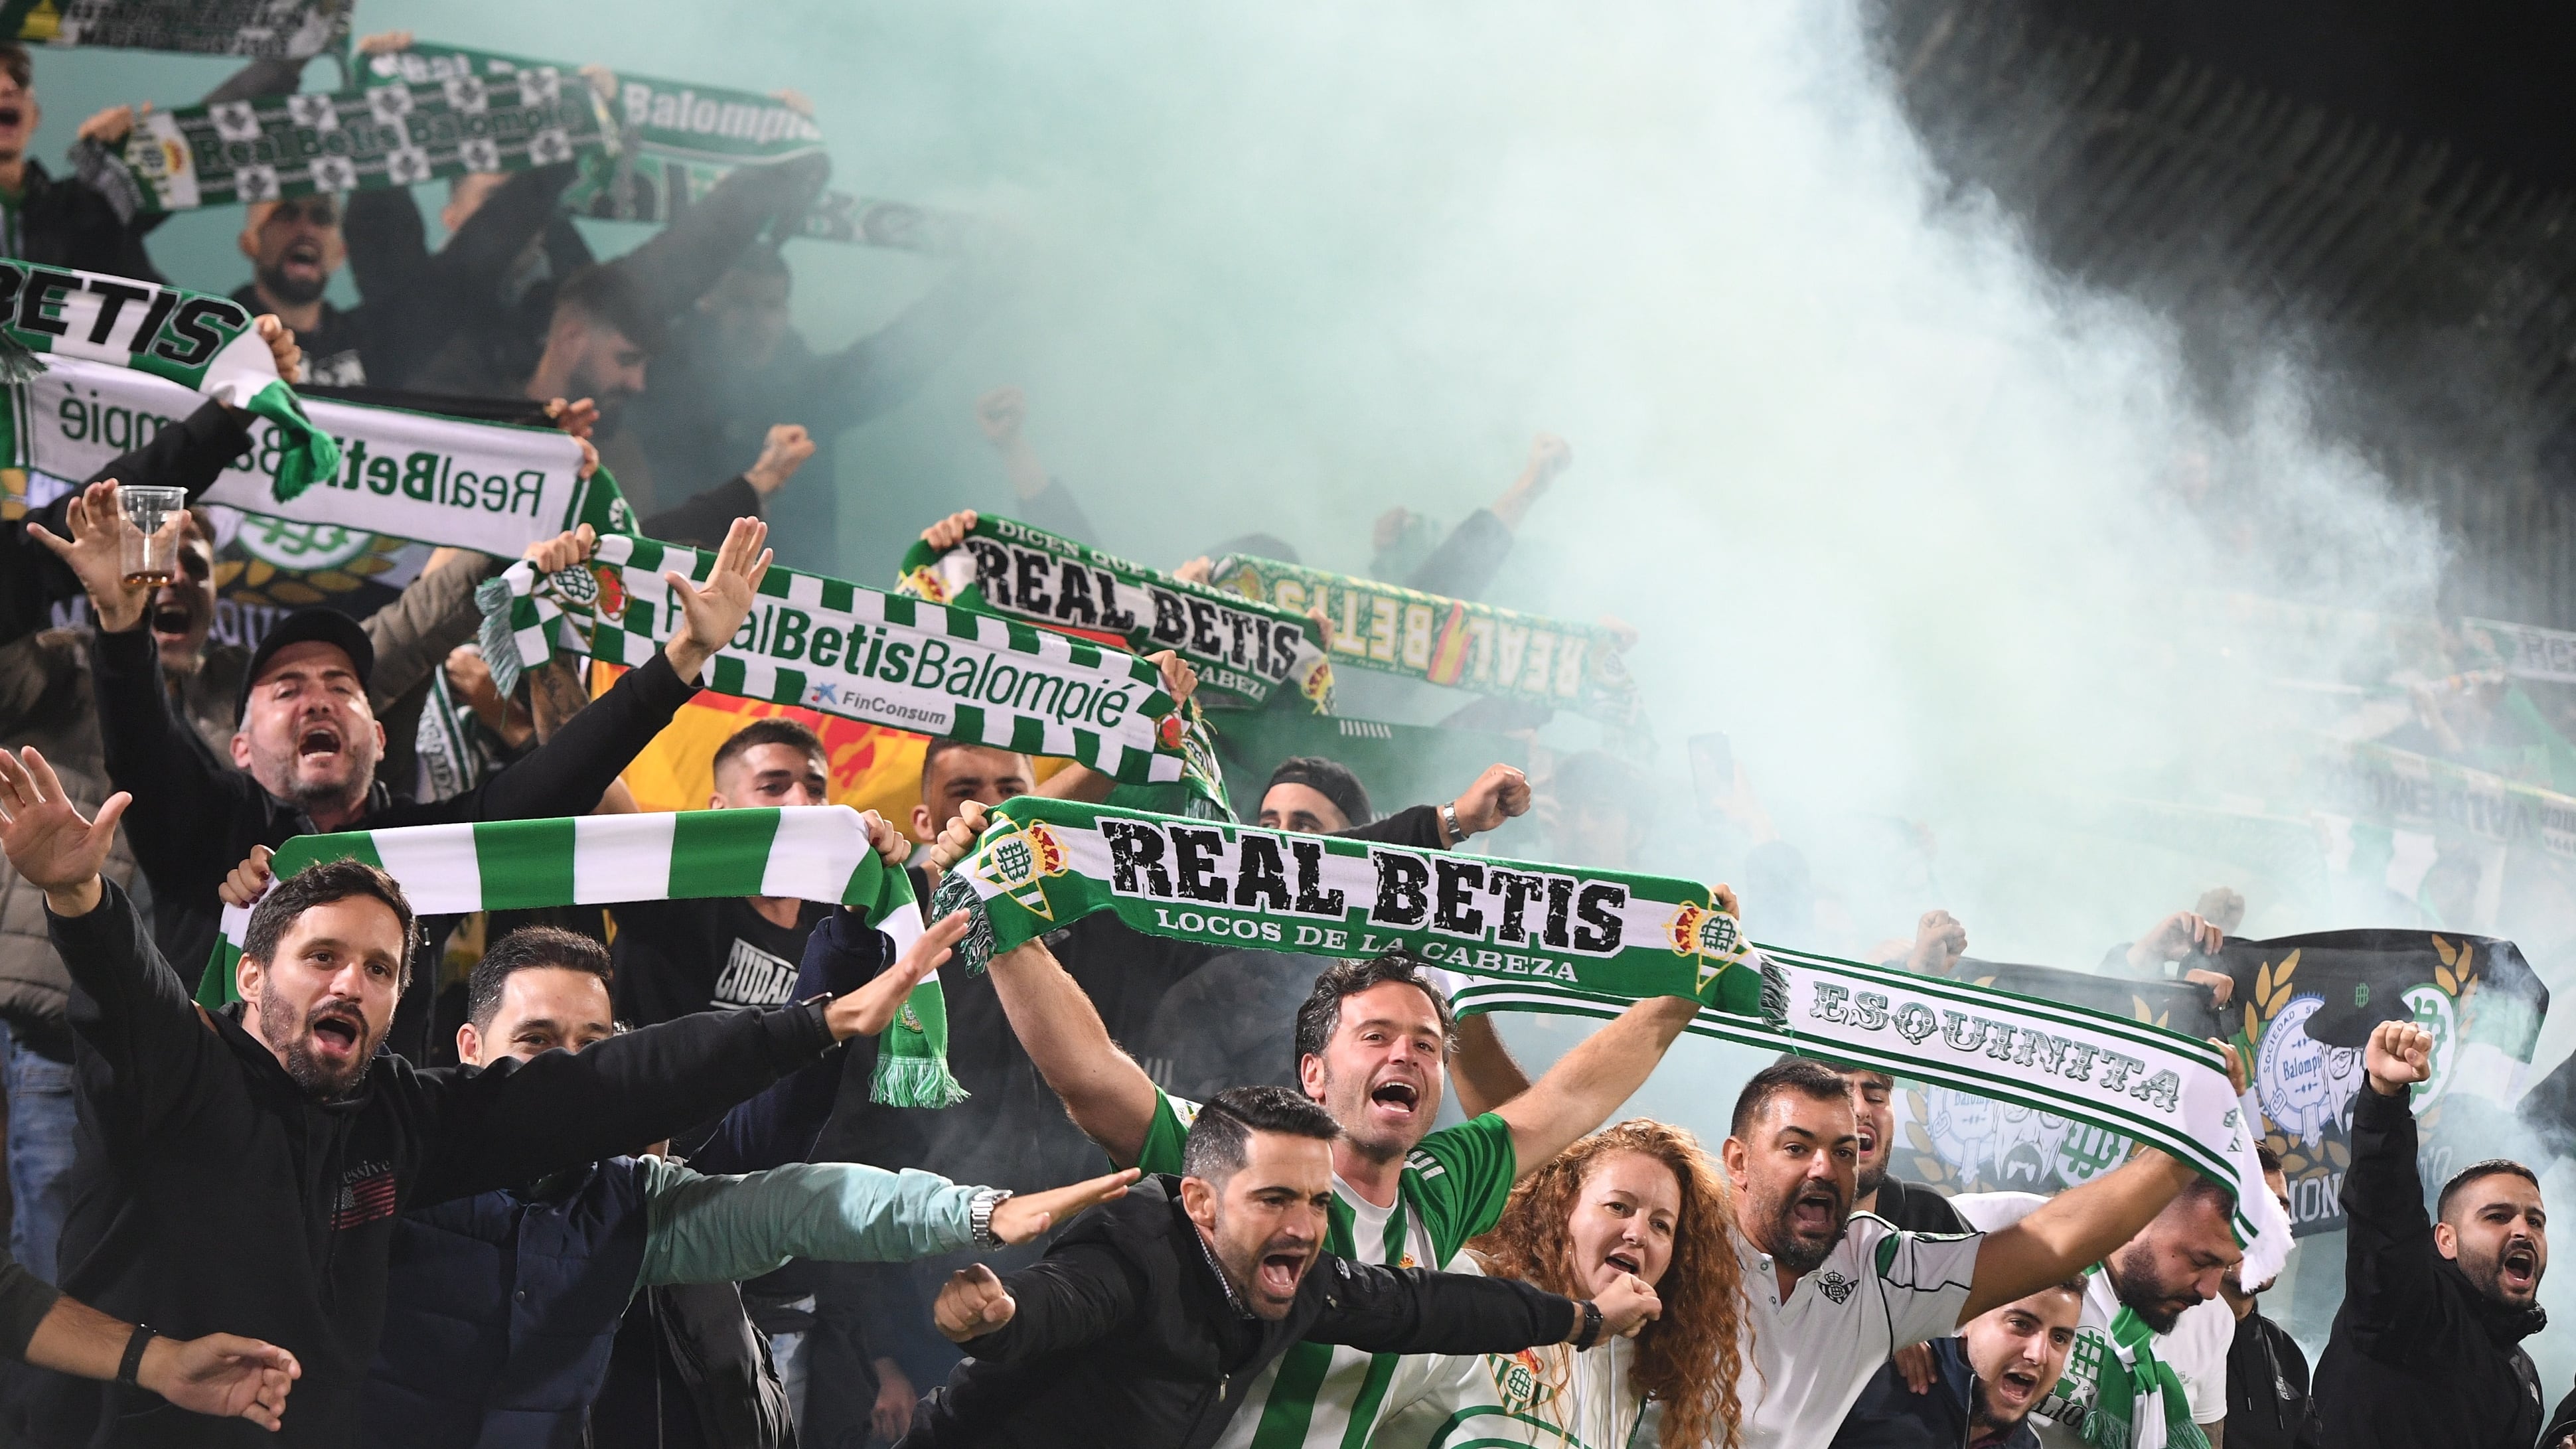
x,y
1708,933
1017,864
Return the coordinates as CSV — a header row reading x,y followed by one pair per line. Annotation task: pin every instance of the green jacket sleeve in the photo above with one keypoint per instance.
x,y
707,1229
1464,1176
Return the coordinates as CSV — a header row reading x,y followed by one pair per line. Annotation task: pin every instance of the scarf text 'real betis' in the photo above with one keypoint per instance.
x,y
812,853
386,135
205,344
865,655
1243,651
1475,647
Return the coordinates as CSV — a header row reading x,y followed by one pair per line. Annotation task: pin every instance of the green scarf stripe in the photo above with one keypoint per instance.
x,y
525,867
727,849
950,673
604,860
1245,651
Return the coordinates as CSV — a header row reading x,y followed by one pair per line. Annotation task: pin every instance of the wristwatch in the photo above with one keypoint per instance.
x,y
129,1368
1590,1333
979,1215
1449,818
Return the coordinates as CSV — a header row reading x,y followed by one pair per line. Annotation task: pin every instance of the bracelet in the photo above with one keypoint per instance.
x,y
132,1364
979,1215
1449,817
1591,1330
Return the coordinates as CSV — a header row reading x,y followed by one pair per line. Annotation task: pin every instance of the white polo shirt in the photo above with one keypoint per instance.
x,y
1810,1356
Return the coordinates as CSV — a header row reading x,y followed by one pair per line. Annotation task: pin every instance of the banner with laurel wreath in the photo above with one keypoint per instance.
x,y
2300,1009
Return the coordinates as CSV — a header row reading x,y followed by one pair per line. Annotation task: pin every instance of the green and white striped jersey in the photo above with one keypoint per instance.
x,y
1540,1398
1453,1186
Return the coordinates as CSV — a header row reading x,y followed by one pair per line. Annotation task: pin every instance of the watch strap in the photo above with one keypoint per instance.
x,y
128,1367
1590,1333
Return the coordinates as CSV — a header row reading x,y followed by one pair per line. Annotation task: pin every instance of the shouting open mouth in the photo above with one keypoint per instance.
x,y
2016,1388
2518,1271
338,1033
317,739
1398,1100
1277,1275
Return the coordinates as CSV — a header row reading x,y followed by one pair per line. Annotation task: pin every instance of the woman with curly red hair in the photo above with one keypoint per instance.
x,y
1642,1198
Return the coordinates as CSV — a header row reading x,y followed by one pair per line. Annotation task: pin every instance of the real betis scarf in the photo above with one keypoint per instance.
x,y
395,134
1243,651
2400,788
2134,1376
1475,647
1045,863
680,138
845,650
201,343
269,28
491,487
2112,1072
2528,651
814,853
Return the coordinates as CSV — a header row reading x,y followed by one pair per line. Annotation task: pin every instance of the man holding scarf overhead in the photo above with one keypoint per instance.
x,y
1373,1045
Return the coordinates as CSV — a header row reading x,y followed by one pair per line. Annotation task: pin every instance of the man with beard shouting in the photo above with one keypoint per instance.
x,y
2427,1347
1143,1322
247,1168
1829,1294
2149,1319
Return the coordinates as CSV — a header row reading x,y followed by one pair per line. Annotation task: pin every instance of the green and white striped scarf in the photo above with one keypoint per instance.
x,y
491,487
394,134
814,853
854,652
1476,647
2132,1376
2126,1077
1244,652
202,343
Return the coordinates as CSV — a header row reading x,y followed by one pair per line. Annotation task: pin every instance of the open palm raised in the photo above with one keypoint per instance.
x,y
46,840
714,611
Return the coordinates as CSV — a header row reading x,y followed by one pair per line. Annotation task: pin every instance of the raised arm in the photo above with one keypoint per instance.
x,y
125,1002
1417,1310
2391,1299
2072,1231
719,1229
1108,1096
1589,1083
690,255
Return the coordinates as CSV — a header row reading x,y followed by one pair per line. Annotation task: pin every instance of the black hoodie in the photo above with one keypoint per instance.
x,y
2418,1355
211,1194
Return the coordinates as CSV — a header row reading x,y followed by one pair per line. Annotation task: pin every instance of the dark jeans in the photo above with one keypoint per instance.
x,y
41,1118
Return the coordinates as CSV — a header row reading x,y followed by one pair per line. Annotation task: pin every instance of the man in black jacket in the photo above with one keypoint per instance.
x,y
2267,1373
2426,1348
68,223
304,759
246,1168
1142,1323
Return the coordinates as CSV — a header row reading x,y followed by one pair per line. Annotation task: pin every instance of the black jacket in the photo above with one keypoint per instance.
x,y
70,223
1126,1336
211,1194
2267,1388
195,817
1890,1415
2418,1356
1916,1208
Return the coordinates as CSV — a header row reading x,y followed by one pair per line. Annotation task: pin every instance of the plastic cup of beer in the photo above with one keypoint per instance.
x,y
151,552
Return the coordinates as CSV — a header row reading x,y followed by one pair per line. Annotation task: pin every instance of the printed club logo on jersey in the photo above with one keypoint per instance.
x,y
366,1195
753,977
1835,1286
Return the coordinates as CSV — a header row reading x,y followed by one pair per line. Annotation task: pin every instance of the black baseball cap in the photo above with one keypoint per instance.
x,y
316,624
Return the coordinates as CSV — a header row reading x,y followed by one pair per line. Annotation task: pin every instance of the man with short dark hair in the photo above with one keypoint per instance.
x,y
679,956
2427,1346
294,246
1143,1319
1981,1385
1909,1205
1809,1348
466,1361
248,1165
